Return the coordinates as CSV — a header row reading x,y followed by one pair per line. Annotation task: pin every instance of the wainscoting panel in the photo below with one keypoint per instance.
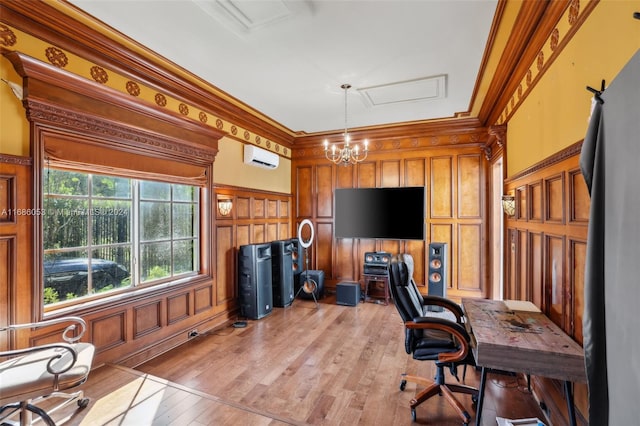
x,y
551,248
147,318
441,201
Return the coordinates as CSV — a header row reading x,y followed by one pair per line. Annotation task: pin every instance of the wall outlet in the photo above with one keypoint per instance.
x,y
193,333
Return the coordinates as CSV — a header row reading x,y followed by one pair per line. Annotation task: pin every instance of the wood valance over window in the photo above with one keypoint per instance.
x,y
80,124
82,154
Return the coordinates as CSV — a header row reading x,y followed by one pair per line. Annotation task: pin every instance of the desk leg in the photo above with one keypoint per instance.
x,y
568,393
483,382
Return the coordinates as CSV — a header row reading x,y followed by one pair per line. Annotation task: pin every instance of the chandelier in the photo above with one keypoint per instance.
x,y
348,154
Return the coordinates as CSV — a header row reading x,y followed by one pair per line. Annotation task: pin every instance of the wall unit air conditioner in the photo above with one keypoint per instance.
x,y
260,157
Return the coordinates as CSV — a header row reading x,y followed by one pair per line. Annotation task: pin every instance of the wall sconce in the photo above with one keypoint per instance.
x,y
224,207
509,205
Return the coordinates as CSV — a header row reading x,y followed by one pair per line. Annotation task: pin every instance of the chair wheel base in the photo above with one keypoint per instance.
x,y
413,414
83,402
403,385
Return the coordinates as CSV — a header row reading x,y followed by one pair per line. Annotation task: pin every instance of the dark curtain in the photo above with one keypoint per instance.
x,y
610,162
593,320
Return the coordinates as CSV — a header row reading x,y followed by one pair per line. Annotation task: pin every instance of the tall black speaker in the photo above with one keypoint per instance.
x,y
254,280
437,276
282,272
297,256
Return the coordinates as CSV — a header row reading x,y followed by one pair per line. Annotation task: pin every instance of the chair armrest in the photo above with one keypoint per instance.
x,y
65,334
448,304
55,355
459,333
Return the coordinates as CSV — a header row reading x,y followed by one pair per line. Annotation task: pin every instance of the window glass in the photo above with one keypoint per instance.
x,y
105,233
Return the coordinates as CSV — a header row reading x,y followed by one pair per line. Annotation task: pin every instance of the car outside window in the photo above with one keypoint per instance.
x,y
106,233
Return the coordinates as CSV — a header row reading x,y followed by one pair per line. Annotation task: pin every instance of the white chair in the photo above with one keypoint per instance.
x,y
34,374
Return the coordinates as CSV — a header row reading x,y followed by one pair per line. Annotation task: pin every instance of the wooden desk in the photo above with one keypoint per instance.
x,y
517,337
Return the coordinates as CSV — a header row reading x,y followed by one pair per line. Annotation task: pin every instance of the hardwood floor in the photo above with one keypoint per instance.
x,y
331,365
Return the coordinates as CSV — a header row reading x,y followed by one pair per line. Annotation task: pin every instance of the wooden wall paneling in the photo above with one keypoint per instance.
x,y
522,205
345,177
324,248
283,209
345,268
523,266
470,186
511,264
7,262
537,265
272,232
417,249
304,192
284,231
147,318
203,298
469,257
555,279
272,208
577,258
441,188
108,331
366,177
225,264
8,197
19,299
243,207
259,233
324,191
579,199
390,173
415,173
536,202
555,198
259,208
243,236
178,307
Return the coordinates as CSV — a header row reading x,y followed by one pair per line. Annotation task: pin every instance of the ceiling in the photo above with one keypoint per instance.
x,y
405,60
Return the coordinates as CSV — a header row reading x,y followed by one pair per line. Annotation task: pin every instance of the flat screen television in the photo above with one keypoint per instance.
x,y
380,213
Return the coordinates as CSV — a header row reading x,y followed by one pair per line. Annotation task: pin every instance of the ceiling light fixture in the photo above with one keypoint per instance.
x,y
348,154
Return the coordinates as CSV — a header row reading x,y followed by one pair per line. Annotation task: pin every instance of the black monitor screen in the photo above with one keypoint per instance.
x,y
382,213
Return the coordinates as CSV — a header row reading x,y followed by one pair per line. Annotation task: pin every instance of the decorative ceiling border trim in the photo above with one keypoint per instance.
x,y
14,40
564,30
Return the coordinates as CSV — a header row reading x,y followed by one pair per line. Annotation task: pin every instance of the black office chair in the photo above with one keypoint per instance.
x,y
431,338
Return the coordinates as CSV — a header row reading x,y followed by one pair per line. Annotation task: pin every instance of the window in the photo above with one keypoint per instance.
x,y
103,233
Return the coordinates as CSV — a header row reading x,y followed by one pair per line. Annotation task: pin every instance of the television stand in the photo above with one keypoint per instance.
x,y
376,279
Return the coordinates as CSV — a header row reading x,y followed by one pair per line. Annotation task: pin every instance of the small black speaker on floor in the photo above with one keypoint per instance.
x,y
348,293
307,291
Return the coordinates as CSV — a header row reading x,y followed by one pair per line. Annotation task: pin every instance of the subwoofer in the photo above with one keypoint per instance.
x,y
348,294
282,273
437,272
309,284
254,280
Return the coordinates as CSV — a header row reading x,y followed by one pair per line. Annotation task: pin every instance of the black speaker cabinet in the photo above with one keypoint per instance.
x,y
307,293
348,294
254,280
437,276
376,263
282,273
